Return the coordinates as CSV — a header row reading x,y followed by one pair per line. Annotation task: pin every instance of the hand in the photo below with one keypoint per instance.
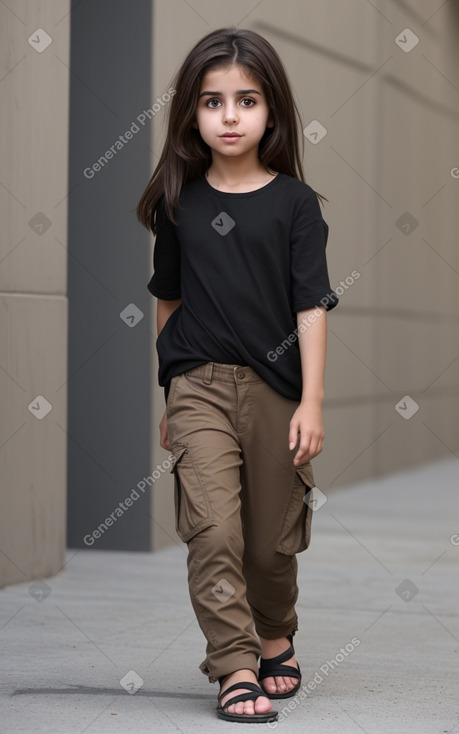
x,y
307,422
163,433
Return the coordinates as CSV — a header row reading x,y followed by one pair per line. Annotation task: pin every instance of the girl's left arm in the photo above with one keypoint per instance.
x,y
306,426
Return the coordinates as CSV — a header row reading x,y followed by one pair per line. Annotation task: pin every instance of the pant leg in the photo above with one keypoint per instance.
x,y
276,517
201,423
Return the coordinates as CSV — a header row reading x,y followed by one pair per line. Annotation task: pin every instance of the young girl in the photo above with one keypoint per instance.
x,y
241,279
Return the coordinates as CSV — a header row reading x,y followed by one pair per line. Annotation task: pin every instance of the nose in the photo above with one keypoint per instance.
x,y
229,113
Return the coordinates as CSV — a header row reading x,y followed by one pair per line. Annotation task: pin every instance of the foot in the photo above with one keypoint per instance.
x,y
261,705
278,684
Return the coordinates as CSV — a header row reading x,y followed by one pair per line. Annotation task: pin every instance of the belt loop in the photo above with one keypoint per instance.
x,y
208,373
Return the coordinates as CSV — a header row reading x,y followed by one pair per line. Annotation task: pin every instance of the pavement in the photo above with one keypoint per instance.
x,y
111,643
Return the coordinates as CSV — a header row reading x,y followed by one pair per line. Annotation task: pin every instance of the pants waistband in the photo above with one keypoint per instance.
x,y
224,373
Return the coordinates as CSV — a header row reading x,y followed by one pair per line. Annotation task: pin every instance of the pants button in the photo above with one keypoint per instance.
x,y
241,374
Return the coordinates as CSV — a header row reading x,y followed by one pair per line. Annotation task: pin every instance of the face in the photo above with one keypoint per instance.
x,y
232,112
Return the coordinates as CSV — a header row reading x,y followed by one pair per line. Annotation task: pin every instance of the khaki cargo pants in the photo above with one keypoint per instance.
x,y
240,508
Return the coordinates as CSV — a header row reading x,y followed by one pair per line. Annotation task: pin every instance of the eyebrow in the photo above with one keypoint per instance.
x,y
220,94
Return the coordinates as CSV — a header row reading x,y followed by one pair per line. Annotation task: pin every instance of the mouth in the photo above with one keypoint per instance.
x,y
230,135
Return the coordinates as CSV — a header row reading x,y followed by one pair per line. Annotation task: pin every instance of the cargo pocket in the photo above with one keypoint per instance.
x,y
171,395
295,534
192,509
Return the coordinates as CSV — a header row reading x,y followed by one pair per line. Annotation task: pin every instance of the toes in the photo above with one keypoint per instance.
x,y
248,708
283,684
262,705
290,683
269,684
240,707
280,683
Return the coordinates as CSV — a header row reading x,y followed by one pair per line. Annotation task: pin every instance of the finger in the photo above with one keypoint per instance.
x,y
320,446
163,439
301,458
302,454
293,435
316,447
313,448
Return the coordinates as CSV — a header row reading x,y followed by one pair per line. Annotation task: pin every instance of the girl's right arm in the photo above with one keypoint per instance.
x,y
163,310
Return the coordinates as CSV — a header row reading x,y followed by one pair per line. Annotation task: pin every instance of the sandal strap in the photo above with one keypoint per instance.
x,y
289,653
272,670
256,692
270,667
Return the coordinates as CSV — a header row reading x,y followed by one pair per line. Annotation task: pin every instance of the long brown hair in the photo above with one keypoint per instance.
x,y
185,155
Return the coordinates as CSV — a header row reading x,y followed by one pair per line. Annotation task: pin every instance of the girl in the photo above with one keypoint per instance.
x,y
241,279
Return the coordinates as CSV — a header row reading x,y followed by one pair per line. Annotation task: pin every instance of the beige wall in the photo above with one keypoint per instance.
x,y
391,142
33,303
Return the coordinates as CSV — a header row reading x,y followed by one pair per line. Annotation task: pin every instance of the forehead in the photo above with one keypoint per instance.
x,y
232,77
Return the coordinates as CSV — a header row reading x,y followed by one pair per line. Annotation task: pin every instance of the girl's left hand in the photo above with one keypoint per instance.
x,y
307,426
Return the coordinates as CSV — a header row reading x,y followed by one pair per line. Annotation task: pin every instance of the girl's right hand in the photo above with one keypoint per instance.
x,y
163,433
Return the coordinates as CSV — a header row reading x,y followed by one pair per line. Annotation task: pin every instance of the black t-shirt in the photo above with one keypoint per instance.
x,y
243,264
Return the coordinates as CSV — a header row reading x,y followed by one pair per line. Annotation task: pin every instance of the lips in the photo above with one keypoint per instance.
x,y
230,135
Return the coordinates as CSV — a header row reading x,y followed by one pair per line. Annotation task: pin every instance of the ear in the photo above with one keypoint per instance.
x,y
195,125
270,122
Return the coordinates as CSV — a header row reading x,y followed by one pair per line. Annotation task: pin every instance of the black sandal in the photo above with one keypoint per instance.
x,y
271,667
222,713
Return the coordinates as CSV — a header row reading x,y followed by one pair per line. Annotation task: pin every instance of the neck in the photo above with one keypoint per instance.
x,y
231,171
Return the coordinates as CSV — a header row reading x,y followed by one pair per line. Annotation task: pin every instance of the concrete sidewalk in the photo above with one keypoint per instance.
x,y
378,642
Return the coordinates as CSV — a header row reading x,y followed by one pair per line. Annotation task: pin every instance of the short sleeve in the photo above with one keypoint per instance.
x,y
165,282
310,284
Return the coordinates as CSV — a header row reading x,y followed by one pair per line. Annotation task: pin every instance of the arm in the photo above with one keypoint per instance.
x,y
307,419
163,310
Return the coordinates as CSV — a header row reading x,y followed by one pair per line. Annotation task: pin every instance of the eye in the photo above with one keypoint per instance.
x,y
211,101
249,100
